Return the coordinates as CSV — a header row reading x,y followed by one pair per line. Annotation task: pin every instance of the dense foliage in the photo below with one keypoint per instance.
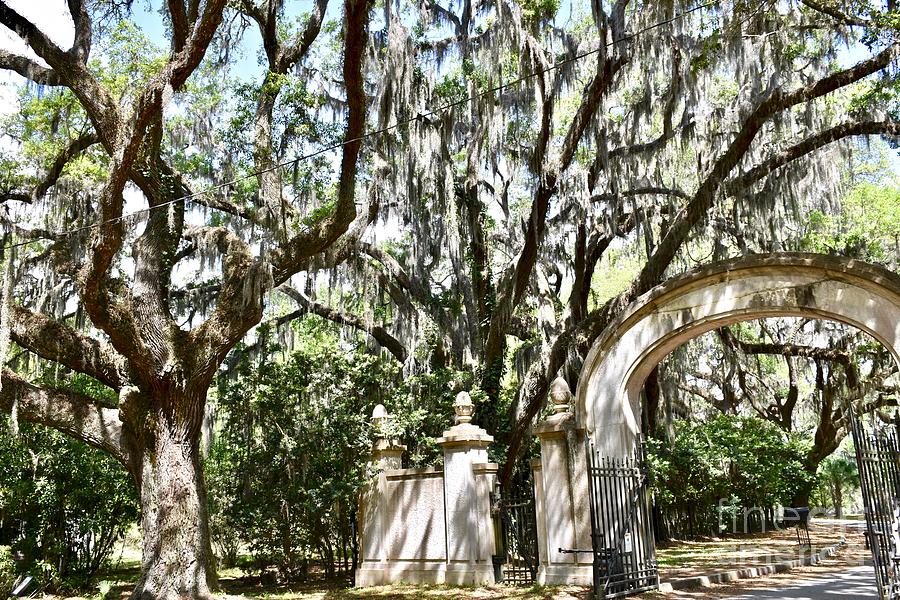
x,y
714,472
8,573
63,506
290,449
868,219
838,481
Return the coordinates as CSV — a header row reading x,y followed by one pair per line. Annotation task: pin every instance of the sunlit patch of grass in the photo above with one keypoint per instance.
x,y
418,592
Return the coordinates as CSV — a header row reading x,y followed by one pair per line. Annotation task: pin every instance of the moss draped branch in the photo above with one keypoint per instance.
x,y
514,282
56,341
74,414
377,331
711,184
289,257
28,69
807,146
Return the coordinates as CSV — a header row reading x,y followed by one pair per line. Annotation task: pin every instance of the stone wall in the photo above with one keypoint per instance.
x,y
430,525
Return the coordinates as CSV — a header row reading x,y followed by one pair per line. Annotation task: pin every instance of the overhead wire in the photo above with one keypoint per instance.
x,y
371,133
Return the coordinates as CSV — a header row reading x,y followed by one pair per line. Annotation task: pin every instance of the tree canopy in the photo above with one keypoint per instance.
x,y
445,178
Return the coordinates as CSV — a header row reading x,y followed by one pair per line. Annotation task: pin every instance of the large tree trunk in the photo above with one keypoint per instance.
x,y
803,492
838,499
177,554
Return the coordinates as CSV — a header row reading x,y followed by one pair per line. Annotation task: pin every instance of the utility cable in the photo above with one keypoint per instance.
x,y
375,132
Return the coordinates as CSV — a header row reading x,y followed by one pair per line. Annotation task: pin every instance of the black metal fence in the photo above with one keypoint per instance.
x,y
518,543
878,459
621,527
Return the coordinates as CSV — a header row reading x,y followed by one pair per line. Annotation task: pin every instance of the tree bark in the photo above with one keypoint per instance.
x,y
177,553
801,496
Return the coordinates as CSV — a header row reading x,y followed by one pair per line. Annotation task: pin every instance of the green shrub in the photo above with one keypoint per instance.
x,y
63,505
7,571
290,452
725,465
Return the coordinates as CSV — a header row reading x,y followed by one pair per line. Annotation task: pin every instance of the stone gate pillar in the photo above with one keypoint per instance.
x,y
468,481
561,494
387,454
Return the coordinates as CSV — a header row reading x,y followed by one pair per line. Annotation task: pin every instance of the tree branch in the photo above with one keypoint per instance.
x,y
57,342
73,414
297,51
288,258
81,45
239,305
28,69
440,13
641,191
809,144
834,13
703,198
793,350
702,393
180,26
378,332
74,148
68,67
515,281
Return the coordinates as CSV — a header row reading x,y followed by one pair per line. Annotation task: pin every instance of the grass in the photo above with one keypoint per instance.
x,y
676,560
247,588
410,592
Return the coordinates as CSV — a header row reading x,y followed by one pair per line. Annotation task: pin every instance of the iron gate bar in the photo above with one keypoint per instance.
x,y
518,523
621,528
878,460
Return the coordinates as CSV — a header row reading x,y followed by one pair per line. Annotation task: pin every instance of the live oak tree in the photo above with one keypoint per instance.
x,y
671,129
121,279
626,124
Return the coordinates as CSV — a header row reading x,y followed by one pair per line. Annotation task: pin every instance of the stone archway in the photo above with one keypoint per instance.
x,y
857,293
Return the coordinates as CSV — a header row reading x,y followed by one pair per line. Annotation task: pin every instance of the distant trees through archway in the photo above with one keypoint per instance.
x,y
774,350
802,375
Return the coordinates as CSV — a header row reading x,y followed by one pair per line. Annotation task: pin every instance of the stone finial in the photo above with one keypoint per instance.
x,y
380,419
560,395
386,449
465,433
464,408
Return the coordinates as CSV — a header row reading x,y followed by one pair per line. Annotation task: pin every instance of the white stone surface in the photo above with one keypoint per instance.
x,y
859,294
470,532
430,525
415,524
561,495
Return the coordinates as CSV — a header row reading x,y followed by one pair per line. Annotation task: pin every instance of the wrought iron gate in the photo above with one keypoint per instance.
x,y
878,459
621,527
518,544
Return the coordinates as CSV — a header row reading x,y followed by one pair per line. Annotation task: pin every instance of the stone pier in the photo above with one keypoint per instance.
x,y
561,495
430,525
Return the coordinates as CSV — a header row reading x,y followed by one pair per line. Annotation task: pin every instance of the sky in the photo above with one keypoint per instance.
x,y
52,17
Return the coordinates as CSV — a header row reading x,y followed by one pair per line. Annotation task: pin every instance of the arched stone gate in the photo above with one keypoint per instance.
x,y
435,525
607,403
860,294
